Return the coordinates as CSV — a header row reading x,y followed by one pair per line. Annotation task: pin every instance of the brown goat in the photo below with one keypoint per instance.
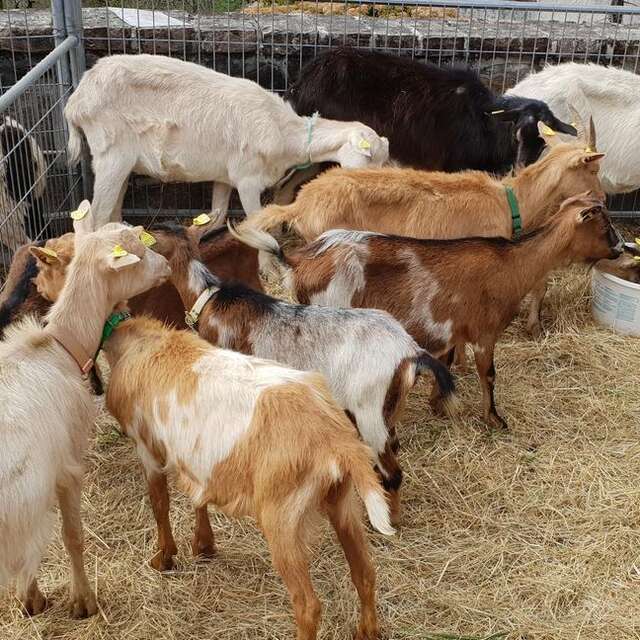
x,y
420,204
222,253
446,292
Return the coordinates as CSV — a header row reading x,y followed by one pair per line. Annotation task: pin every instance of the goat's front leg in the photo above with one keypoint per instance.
x,y
83,601
534,319
159,497
220,198
203,544
249,191
487,373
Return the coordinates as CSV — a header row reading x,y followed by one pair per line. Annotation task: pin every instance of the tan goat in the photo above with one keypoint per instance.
x,y
421,204
47,409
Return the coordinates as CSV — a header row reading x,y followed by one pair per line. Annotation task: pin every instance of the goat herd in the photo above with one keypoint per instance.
x,y
417,246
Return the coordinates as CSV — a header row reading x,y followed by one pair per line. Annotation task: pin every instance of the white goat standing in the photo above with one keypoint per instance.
x,y
47,407
612,97
180,122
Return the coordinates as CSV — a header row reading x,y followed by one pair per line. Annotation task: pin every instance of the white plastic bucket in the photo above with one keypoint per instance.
x,y
615,303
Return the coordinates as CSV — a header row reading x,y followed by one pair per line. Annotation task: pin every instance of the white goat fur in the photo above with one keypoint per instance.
x,y
178,121
612,97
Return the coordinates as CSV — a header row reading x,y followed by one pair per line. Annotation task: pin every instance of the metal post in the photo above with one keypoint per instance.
x,y
73,26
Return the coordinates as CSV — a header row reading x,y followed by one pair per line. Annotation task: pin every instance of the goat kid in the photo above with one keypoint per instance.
x,y
48,409
178,121
444,292
253,438
368,359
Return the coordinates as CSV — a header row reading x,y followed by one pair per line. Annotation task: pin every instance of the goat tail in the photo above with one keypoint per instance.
x,y
358,465
273,215
74,148
426,362
271,258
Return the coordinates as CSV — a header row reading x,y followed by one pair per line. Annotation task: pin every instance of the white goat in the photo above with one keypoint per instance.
x,y
47,407
612,97
178,121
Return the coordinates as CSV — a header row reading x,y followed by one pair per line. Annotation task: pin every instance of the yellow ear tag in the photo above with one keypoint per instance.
x,y
637,241
81,211
589,150
50,252
203,218
147,239
548,131
364,144
119,252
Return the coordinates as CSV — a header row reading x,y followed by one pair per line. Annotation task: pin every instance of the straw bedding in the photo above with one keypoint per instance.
x,y
531,534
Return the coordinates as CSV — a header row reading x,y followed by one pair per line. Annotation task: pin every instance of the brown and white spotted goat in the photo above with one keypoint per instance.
x,y
253,438
445,292
369,360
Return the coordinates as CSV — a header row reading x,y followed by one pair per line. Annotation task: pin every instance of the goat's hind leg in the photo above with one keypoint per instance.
x,y
29,595
534,314
487,374
435,400
344,514
288,543
109,187
83,601
203,544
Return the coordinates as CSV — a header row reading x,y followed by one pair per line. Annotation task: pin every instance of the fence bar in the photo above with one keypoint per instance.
x,y
25,83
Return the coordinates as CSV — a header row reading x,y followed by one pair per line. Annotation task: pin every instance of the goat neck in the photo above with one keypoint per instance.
x,y
526,262
83,306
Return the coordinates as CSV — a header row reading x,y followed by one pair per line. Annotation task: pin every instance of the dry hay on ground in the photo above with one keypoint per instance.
x,y
535,533
352,9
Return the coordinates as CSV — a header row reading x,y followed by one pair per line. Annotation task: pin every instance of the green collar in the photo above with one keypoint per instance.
x,y
311,121
112,324
516,220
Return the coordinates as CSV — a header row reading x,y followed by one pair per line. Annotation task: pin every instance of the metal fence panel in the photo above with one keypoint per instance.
x,y
269,42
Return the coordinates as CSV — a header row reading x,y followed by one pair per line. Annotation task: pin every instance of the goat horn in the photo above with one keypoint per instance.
x,y
591,143
578,122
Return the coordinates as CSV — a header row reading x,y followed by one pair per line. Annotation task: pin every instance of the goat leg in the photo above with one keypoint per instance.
x,y
435,399
82,603
203,544
534,321
30,596
159,496
487,374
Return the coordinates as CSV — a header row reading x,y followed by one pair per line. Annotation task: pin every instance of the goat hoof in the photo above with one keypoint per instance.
x,y
367,634
535,330
83,606
34,604
497,422
162,561
203,551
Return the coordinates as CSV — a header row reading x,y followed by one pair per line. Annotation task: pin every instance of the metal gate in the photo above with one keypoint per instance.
x,y
43,51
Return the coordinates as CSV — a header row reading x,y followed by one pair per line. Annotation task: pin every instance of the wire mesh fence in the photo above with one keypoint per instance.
x,y
269,41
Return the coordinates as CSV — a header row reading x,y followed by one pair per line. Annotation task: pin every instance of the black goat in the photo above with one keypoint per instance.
x,y
435,119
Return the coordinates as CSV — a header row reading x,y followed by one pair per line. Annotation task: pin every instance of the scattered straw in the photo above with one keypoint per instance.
x,y
531,534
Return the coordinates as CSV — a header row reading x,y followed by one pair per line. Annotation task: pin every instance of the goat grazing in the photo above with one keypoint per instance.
x,y
368,359
178,121
22,183
47,409
612,96
254,438
435,118
444,292
421,204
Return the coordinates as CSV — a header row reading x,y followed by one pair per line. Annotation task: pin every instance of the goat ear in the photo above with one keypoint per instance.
x,y
592,157
131,241
362,146
549,136
82,218
44,255
588,214
119,258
